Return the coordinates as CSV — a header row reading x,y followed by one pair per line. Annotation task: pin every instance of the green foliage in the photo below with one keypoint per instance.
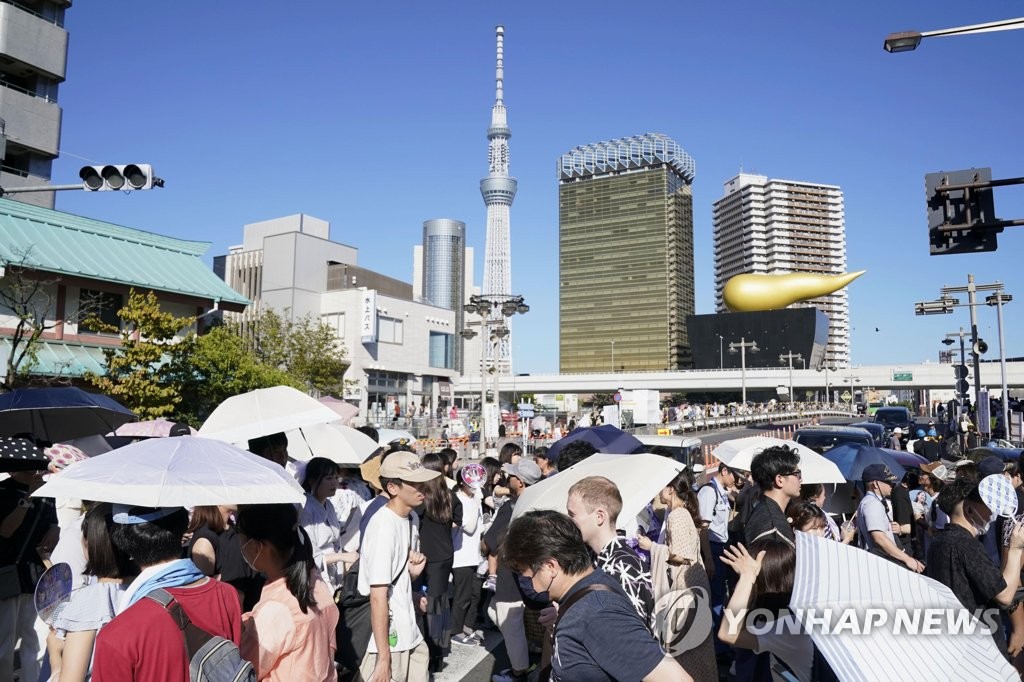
x,y
216,366
155,373
137,372
305,349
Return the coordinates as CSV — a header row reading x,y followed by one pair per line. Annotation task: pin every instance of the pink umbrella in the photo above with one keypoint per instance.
x,y
345,411
153,428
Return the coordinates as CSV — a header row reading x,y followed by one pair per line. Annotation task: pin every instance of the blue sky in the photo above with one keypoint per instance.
x,y
373,116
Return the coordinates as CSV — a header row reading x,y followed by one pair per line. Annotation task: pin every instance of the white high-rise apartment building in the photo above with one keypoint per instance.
x,y
769,226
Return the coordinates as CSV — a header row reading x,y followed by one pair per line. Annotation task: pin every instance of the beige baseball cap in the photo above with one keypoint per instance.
x,y
406,466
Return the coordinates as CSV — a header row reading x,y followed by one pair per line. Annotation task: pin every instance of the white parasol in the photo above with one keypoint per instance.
x,y
263,412
863,588
739,452
184,471
639,478
341,444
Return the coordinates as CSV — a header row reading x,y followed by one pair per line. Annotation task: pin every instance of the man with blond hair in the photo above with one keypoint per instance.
x,y
594,505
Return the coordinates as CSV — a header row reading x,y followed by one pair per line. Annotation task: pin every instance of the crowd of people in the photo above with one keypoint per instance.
x,y
385,568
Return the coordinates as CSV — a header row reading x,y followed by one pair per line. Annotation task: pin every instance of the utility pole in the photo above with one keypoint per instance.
x,y
791,356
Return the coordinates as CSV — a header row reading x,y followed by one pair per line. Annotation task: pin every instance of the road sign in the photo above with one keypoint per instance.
x,y
962,386
846,396
617,397
902,376
960,371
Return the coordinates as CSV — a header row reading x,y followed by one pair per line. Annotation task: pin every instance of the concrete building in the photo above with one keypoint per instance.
x,y
57,269
443,271
33,57
771,226
625,237
401,350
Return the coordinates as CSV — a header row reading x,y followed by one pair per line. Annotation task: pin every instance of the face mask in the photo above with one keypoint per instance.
x,y
526,586
254,559
979,527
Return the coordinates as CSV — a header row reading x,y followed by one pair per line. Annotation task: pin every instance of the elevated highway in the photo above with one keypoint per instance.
x,y
892,377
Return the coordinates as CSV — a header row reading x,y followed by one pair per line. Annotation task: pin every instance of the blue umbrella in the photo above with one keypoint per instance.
x,y
606,438
851,458
59,414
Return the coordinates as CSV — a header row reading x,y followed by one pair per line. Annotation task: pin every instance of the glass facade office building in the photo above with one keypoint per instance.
x,y
626,284
444,272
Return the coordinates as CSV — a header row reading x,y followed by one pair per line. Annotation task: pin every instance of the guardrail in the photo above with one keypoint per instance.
x,y
714,423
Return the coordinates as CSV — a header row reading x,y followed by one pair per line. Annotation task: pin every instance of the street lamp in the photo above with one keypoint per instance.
x,y
721,340
494,311
613,357
909,40
851,380
743,345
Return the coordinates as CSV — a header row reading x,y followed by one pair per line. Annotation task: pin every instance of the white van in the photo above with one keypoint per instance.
x,y
684,449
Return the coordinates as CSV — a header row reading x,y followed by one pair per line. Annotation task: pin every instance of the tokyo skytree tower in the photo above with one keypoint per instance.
x,y
498,190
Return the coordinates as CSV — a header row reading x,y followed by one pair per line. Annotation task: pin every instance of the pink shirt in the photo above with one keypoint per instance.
x,y
285,644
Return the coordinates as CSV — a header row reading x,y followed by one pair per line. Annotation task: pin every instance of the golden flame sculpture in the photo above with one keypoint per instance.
x,y
746,293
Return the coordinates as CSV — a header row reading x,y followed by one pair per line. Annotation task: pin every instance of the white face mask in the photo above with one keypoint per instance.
x,y
254,559
980,528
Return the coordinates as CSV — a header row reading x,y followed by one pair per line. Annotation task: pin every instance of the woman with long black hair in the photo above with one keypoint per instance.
x,y
289,635
441,512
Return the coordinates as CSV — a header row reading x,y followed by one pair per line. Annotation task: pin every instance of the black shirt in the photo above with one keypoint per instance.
x,y
902,510
213,538
28,535
764,517
235,572
957,560
436,537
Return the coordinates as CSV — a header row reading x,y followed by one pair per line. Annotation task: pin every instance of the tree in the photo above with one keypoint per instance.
x,y
599,400
307,350
213,367
138,372
31,298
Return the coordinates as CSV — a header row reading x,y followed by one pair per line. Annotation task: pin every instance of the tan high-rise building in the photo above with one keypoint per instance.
x,y
770,226
625,217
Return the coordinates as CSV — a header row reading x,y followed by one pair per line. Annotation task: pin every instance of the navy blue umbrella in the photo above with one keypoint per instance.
x,y
606,438
59,414
851,458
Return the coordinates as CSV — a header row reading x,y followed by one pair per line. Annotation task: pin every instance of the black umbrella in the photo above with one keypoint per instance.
x,y
59,414
21,454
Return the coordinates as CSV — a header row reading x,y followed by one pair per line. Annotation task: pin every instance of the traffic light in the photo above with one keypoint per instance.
x,y
967,208
112,178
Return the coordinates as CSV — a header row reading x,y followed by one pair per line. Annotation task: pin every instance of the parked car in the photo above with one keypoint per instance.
x,y
824,438
877,432
891,417
684,449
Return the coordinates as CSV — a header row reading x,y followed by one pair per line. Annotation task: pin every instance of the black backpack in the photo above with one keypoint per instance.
x,y
210,658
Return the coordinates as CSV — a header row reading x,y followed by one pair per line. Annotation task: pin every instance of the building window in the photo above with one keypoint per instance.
x,y
389,330
442,350
335,322
103,305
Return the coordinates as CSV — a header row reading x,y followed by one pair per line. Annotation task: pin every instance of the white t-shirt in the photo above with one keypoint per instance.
x,y
385,555
466,539
791,649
